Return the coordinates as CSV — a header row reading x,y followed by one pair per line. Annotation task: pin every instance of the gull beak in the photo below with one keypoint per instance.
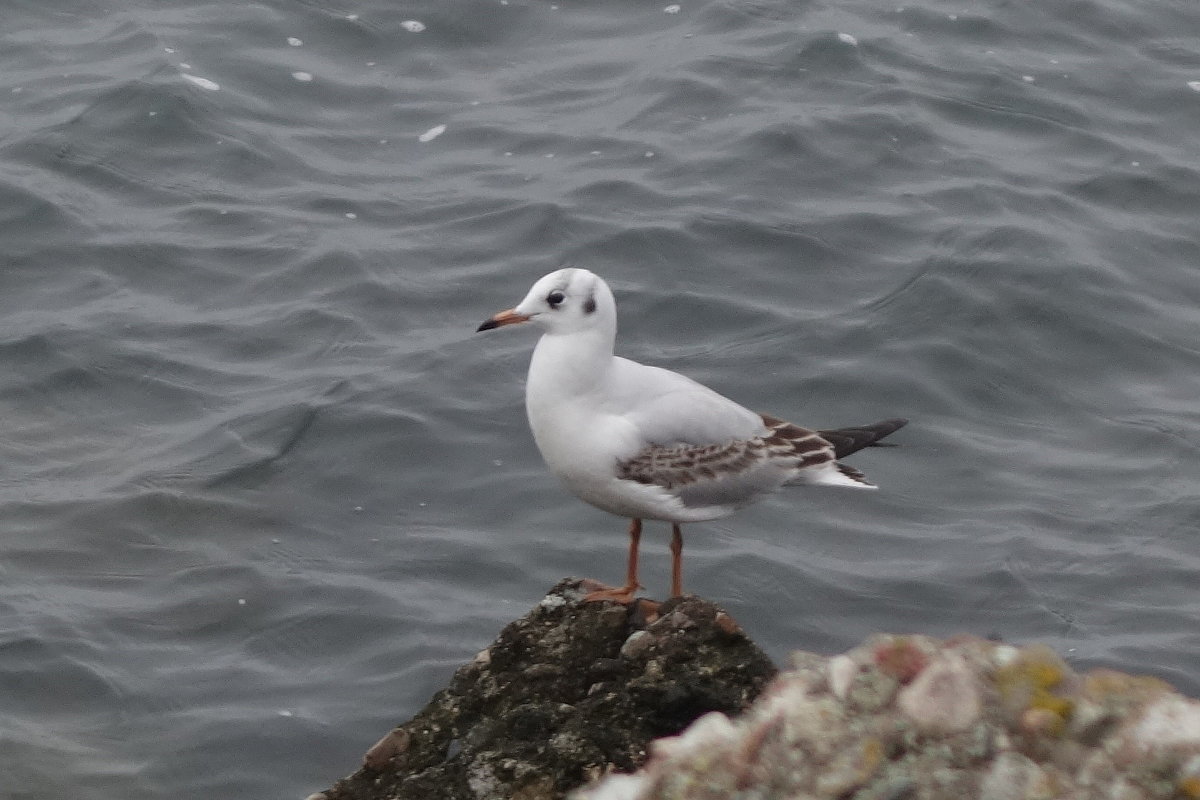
x,y
510,317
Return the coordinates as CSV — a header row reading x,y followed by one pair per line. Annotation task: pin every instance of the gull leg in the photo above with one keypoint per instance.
x,y
676,560
623,594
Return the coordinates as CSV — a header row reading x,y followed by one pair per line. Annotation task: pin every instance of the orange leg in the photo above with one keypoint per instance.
x,y
624,594
676,560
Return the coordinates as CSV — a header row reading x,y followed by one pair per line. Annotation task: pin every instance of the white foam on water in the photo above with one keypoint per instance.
x,y
412,25
203,83
432,133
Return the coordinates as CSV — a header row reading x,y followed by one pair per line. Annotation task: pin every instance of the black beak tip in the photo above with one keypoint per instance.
x,y
487,325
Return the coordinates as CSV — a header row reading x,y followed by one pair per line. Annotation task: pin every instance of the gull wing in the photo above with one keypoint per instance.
x,y
669,409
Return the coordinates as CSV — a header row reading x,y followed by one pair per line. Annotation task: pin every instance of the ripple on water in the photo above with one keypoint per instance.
x,y
264,487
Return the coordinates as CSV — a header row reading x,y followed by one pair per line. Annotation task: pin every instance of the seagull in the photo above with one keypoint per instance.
x,y
643,442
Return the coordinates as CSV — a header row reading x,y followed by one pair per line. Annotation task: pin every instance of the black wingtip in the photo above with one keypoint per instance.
x,y
895,424
850,440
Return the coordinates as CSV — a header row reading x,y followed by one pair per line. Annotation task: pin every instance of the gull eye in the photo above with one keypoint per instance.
x,y
555,298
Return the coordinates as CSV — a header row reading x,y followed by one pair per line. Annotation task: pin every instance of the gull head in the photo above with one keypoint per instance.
x,y
569,300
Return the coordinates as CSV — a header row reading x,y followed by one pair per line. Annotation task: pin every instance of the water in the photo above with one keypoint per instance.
x,y
263,488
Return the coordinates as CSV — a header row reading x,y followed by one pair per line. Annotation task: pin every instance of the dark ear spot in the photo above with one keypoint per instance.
x,y
589,305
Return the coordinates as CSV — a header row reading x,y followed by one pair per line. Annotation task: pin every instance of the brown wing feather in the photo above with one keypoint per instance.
x,y
681,465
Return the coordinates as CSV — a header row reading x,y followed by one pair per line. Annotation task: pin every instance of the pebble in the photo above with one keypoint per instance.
x,y
944,698
1171,721
842,670
637,643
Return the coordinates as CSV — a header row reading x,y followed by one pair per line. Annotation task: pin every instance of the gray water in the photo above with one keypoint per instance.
x,y
263,487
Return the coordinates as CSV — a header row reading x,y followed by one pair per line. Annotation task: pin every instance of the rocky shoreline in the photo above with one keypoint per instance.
x,y
595,700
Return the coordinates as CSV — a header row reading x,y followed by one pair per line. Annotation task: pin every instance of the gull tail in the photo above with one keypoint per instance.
x,y
816,452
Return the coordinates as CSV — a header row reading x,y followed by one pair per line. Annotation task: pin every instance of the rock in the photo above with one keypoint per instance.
x,y
655,703
568,693
973,719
